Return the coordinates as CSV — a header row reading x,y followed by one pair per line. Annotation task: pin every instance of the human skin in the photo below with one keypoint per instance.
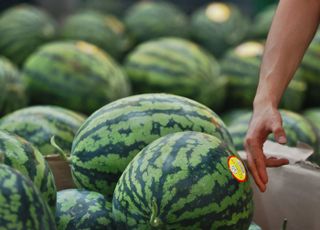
x,y
293,27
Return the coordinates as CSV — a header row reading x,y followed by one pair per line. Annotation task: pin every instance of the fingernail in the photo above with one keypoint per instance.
x,y
282,139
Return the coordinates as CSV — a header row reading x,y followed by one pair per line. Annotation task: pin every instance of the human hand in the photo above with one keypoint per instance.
x,y
265,120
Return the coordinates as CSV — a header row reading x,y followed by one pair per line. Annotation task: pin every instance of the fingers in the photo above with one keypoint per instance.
x,y
275,162
279,133
253,170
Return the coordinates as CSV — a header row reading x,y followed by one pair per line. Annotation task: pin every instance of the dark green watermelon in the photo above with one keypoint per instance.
x,y
25,158
219,26
297,129
106,6
104,31
81,210
262,22
23,28
75,75
313,116
21,206
12,89
241,66
231,115
177,66
113,135
37,124
183,181
148,20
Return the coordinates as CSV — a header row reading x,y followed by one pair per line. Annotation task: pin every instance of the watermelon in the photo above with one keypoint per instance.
x,y
231,115
313,116
105,31
311,71
75,75
25,158
38,124
21,206
218,27
241,66
183,181
12,89
177,66
81,209
297,129
106,6
23,28
113,135
262,22
148,20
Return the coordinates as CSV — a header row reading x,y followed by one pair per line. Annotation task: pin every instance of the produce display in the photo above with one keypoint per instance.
x,y
23,28
12,89
129,114
38,124
104,31
76,75
111,137
219,26
178,66
142,21
80,209
182,181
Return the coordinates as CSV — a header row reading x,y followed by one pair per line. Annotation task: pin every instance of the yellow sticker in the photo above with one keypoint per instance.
x,y
237,169
249,49
218,12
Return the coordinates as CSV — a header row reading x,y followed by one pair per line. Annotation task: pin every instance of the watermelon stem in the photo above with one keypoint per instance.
x,y
155,221
284,224
61,152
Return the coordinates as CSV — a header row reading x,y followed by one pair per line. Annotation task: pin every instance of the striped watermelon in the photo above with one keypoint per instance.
x,y
12,89
231,115
297,129
219,26
313,116
22,156
104,31
241,66
38,124
177,66
23,28
75,75
21,206
262,22
143,21
254,226
82,210
183,181
113,135
311,71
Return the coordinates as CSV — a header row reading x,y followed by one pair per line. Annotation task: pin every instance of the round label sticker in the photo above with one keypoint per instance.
x,y
218,12
237,168
249,49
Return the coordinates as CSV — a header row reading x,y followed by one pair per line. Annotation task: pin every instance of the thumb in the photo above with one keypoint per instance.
x,y
279,134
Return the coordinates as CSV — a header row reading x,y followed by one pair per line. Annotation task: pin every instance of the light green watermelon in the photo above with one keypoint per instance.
x,y
104,31
241,66
38,124
23,28
21,206
111,137
183,181
219,26
12,88
148,20
74,75
82,210
177,66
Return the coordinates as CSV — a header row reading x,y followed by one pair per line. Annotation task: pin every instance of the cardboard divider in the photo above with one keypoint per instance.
x,y
61,172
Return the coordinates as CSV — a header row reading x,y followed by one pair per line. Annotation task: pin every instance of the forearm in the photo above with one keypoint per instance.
x,y
293,27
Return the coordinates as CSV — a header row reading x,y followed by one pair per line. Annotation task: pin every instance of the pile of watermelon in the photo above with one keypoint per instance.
x,y
129,95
